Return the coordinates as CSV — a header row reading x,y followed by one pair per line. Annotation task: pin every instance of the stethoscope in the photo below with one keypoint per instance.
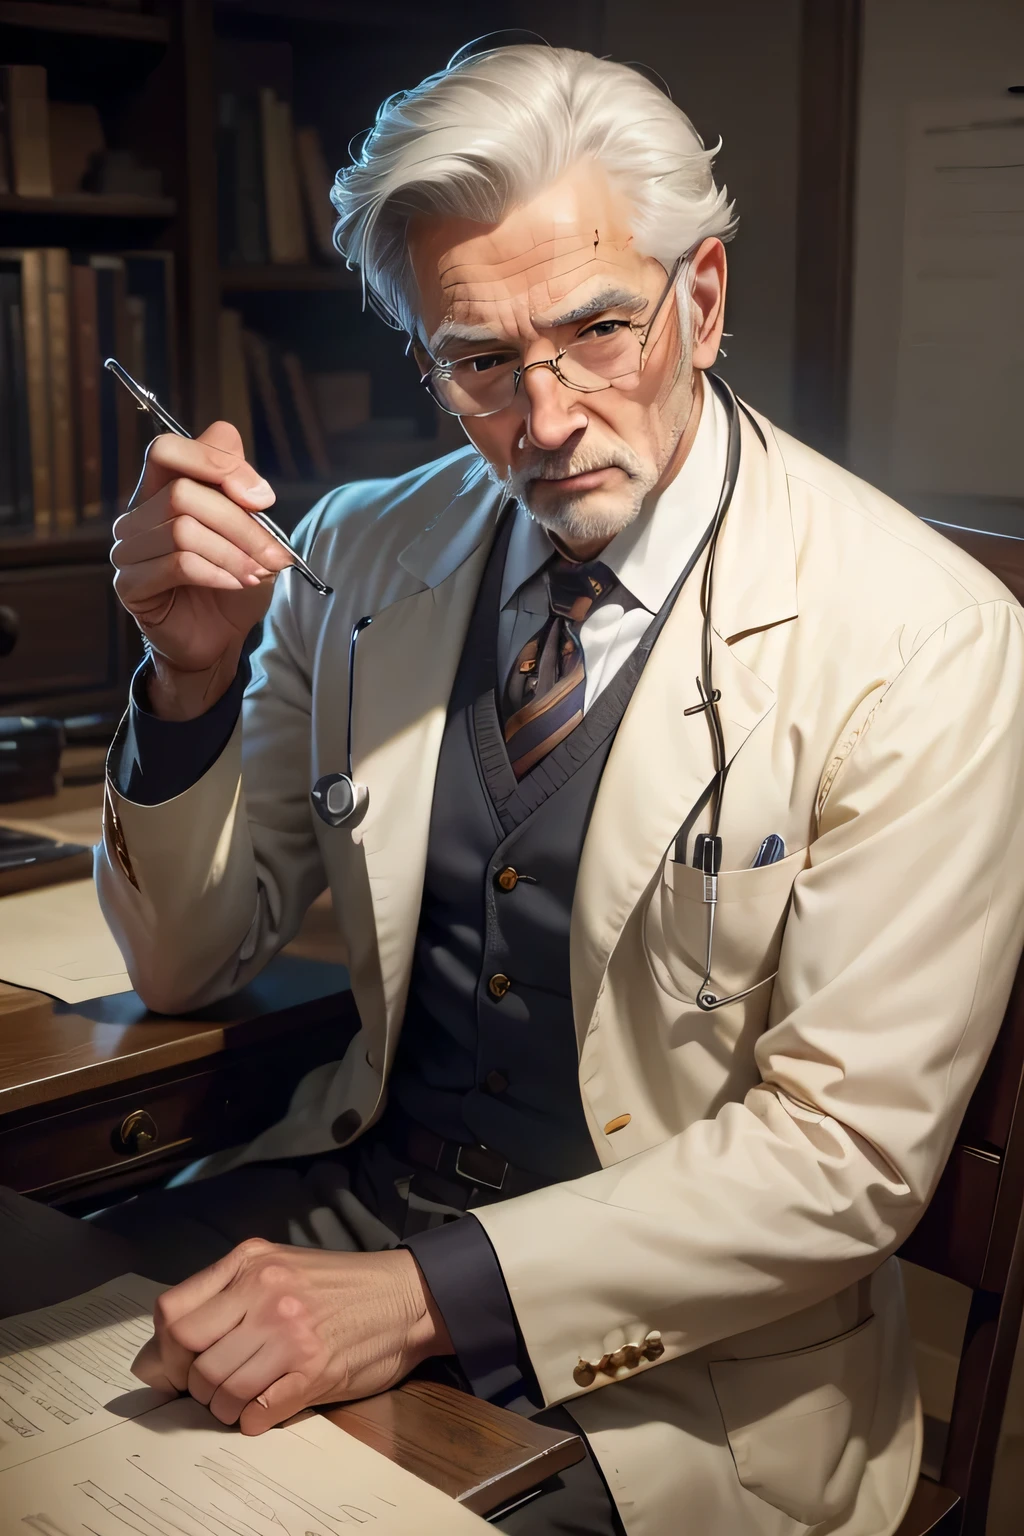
x,y
337,798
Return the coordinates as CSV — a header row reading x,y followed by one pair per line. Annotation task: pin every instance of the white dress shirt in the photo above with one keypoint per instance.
x,y
647,558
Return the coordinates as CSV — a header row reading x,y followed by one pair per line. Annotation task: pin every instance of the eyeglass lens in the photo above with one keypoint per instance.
x,y
488,382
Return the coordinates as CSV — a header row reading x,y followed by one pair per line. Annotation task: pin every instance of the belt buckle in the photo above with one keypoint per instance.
x,y
475,1178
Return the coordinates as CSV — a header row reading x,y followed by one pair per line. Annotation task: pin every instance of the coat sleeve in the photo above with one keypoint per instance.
x,y
897,961
202,889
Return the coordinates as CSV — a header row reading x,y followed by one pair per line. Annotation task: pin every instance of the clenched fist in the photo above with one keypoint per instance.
x,y
269,1330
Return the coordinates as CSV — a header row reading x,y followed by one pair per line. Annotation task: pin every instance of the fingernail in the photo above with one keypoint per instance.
x,y
262,572
252,580
262,492
262,1401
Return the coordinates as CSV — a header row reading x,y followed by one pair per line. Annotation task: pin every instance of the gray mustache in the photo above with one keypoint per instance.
x,y
552,470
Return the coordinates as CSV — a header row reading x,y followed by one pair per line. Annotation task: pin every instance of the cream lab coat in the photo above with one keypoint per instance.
x,y
769,1157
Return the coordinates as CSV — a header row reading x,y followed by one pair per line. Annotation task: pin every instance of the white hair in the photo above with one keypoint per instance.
x,y
492,131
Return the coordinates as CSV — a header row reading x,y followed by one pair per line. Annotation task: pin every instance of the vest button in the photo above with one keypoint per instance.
x,y
498,985
495,1082
507,878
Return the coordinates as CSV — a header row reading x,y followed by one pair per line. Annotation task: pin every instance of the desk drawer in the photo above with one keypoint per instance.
x,y
68,630
186,1117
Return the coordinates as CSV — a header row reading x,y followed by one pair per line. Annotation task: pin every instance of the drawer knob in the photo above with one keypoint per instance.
x,y
9,626
137,1132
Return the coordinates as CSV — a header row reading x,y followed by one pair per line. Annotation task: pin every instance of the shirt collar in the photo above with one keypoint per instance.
x,y
648,555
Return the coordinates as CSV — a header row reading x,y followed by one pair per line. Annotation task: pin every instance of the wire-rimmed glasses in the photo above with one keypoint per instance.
x,y
608,354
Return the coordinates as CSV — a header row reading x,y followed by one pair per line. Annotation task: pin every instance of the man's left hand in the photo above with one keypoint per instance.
x,y
269,1330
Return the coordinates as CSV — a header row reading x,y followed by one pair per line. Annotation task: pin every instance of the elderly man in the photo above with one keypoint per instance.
x,y
678,858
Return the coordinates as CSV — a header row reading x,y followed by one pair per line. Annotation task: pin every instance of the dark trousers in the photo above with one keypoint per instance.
x,y
168,1234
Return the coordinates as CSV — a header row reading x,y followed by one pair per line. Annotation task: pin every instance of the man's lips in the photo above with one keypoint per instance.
x,y
589,480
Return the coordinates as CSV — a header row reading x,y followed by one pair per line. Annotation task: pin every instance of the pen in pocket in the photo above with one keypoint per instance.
x,y
770,852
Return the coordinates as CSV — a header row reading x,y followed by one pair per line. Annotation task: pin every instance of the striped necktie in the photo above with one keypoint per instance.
x,y
546,689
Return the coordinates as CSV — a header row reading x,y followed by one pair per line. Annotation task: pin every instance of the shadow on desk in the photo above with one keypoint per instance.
x,y
101,1097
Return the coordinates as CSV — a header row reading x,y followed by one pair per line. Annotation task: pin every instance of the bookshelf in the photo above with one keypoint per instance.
x,y
289,279
85,22
90,205
156,72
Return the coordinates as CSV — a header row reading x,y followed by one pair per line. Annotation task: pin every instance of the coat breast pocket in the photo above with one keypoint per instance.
x,y
750,916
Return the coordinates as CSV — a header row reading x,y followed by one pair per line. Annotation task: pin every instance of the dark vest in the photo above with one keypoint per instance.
x,y
480,1060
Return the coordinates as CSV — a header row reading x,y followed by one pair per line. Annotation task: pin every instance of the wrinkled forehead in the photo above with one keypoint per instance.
x,y
571,241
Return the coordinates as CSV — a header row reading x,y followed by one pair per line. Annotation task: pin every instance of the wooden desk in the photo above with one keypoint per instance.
x,y
479,1454
73,1075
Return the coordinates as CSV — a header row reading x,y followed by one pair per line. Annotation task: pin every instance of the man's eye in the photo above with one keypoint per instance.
x,y
484,362
489,360
603,329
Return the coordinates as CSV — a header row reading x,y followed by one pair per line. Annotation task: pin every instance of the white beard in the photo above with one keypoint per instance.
x,y
571,516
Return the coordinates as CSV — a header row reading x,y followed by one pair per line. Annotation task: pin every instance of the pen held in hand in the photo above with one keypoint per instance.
x,y
147,401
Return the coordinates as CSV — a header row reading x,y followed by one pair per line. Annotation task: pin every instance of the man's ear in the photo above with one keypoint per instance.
x,y
707,290
421,356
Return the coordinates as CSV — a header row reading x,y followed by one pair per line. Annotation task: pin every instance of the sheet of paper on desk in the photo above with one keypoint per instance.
x,y
62,1367
176,1472
56,940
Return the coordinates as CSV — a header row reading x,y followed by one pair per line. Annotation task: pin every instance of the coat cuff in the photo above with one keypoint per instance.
x,y
465,1280
160,759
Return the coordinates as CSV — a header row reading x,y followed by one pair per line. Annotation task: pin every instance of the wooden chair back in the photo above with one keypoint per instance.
x,y
973,1229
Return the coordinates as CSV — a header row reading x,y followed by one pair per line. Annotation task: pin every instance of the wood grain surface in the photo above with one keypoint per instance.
x,y
476,1453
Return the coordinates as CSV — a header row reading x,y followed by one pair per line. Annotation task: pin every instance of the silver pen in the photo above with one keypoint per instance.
x,y
147,401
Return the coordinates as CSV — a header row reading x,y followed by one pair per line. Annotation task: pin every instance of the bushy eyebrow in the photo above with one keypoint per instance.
x,y
479,335
608,298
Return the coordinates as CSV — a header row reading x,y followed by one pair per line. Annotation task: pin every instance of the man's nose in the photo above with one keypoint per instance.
x,y
553,412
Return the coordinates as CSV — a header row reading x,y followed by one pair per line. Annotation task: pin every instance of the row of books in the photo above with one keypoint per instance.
x,y
292,422
49,148
273,184
72,440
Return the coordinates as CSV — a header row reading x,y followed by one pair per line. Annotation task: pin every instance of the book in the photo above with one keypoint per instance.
x,y
86,363
56,269
270,433
76,137
21,441
28,128
305,412
119,432
286,232
235,403
316,182
33,324
93,1448
5,149
250,210
149,276
228,251
8,479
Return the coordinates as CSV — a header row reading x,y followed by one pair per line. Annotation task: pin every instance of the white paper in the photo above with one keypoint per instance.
x,y
176,1472
56,940
960,367
65,1370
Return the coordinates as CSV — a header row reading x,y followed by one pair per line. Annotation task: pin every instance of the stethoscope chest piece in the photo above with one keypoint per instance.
x,y
337,799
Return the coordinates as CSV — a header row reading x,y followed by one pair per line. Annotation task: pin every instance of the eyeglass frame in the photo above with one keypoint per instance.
x,y
552,362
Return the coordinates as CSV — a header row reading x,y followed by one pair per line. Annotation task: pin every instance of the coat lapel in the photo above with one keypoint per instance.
x,y
661,761
405,667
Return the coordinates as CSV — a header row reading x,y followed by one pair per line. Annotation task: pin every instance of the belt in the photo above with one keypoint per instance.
x,y
475,1173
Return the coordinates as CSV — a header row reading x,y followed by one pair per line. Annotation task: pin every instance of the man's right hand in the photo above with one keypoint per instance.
x,y
193,569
